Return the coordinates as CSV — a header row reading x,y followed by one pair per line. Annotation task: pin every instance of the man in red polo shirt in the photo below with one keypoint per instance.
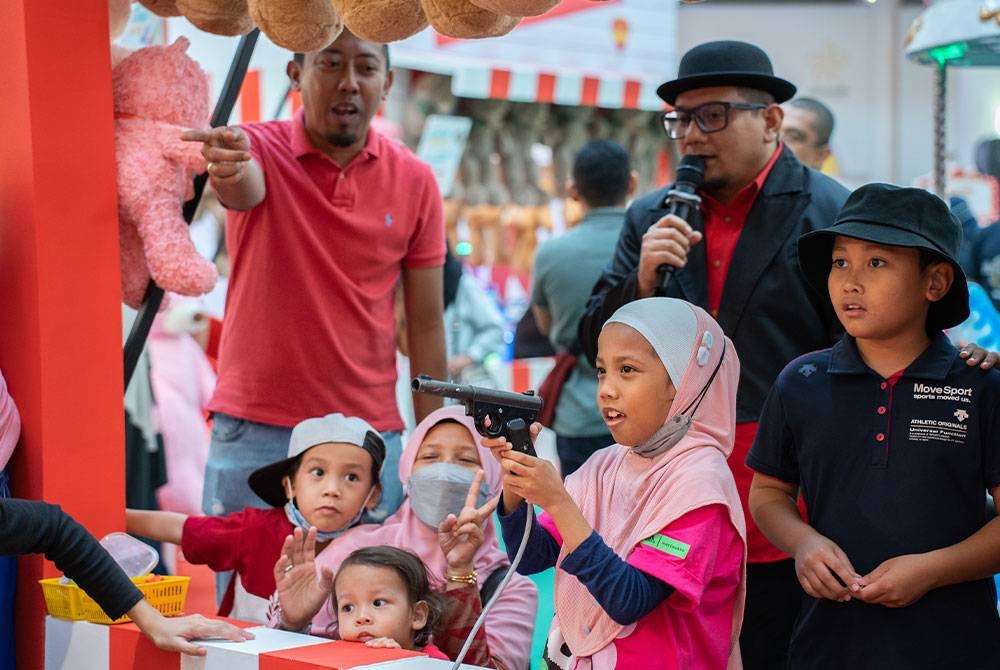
x,y
324,216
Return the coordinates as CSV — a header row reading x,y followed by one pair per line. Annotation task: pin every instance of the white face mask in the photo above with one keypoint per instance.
x,y
296,518
440,489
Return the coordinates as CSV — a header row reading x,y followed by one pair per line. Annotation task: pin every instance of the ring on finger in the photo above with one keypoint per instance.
x,y
288,569
208,168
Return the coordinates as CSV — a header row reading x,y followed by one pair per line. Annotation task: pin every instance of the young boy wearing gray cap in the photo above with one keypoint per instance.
x,y
892,440
329,478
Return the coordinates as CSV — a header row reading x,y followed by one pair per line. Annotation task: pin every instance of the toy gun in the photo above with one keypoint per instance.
x,y
510,414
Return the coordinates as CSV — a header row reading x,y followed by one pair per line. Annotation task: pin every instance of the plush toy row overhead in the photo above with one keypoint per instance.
x,y
310,25
159,91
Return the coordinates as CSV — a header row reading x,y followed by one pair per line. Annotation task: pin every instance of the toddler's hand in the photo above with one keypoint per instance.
x,y
897,582
824,571
301,592
383,642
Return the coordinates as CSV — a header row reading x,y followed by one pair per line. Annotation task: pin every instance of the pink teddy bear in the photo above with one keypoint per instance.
x,y
159,92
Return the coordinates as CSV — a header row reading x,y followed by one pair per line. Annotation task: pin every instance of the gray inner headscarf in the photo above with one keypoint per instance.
x,y
671,327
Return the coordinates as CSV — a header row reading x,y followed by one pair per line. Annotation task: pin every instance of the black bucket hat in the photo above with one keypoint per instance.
x,y
266,481
726,63
900,217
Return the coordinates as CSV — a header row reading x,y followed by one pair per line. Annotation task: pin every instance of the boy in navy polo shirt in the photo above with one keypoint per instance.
x,y
893,441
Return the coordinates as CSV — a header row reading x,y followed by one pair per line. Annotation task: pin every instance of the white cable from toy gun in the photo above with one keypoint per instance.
x,y
503,584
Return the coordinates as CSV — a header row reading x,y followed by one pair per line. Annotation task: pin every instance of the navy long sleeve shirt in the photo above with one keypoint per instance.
x,y
30,527
626,593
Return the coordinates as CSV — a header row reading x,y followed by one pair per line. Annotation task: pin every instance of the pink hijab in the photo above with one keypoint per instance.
x,y
10,424
628,497
403,529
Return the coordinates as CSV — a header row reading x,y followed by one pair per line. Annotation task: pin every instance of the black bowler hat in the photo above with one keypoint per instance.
x,y
899,217
726,63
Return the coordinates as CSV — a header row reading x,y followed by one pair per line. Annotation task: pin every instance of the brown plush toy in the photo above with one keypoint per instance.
x,y
516,7
382,20
463,20
219,17
297,25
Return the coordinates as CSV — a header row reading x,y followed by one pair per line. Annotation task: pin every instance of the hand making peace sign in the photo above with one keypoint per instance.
x,y
460,537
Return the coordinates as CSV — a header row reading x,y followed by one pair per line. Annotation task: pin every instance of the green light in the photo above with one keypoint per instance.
x,y
463,248
948,52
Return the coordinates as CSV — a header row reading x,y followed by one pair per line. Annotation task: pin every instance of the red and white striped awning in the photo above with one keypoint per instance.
x,y
610,54
564,88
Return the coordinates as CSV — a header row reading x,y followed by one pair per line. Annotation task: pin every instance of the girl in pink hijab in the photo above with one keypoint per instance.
x,y
445,520
648,536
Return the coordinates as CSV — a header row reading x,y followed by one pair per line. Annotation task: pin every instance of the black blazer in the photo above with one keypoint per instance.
x,y
767,308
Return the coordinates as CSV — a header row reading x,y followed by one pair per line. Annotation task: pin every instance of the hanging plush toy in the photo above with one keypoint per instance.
x,y
158,93
517,7
462,19
220,17
310,25
297,25
382,20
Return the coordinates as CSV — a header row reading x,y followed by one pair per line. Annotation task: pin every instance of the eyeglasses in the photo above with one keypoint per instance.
x,y
711,117
797,137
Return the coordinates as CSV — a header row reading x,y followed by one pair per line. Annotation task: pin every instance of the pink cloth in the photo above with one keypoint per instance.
x,y
310,325
183,382
628,498
691,629
510,624
10,424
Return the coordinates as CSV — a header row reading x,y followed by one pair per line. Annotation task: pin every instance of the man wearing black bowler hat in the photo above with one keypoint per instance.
x,y
735,256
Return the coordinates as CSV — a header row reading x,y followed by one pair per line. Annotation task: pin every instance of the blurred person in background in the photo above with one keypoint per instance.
x,y
474,335
969,248
473,328
807,129
183,382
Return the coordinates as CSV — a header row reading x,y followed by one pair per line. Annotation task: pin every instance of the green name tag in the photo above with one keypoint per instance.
x,y
668,545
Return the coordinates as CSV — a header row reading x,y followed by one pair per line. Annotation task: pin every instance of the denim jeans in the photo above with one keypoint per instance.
x,y
240,446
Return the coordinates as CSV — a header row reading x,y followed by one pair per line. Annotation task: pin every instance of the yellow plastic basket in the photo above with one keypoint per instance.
x,y
69,601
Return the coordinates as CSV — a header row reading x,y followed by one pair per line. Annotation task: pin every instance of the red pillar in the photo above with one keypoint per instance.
x,y
60,348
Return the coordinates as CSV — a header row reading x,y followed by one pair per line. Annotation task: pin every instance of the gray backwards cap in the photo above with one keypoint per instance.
x,y
266,481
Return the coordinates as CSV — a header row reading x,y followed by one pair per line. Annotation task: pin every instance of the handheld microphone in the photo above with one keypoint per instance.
x,y
680,200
